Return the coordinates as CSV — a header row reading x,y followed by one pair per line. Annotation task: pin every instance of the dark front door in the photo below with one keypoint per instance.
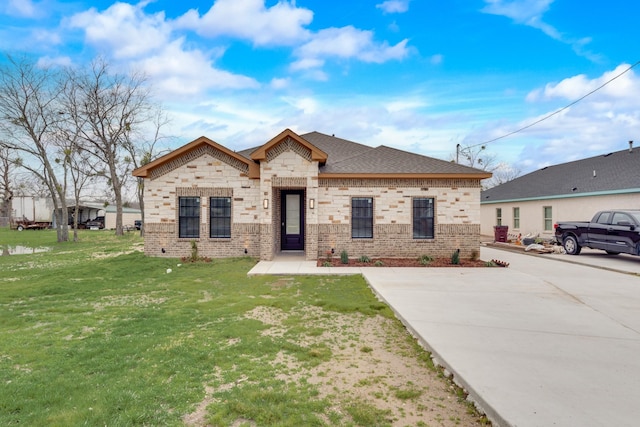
x,y
292,220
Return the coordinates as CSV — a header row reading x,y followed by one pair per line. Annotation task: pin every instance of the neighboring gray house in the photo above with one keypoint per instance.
x,y
531,204
314,193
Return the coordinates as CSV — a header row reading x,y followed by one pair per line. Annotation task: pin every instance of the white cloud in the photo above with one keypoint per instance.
x,y
306,63
280,83
123,29
21,8
405,104
179,72
349,42
280,24
306,105
436,59
530,13
130,35
394,6
625,88
47,61
47,37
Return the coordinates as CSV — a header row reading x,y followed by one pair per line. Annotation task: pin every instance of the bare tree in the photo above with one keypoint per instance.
x,y
477,157
504,172
78,165
6,183
145,151
29,111
106,108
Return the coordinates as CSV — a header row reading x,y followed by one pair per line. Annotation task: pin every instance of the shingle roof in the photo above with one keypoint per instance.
x,y
609,173
348,157
336,148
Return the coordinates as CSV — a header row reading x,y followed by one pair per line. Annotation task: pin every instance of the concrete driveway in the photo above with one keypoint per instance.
x,y
541,343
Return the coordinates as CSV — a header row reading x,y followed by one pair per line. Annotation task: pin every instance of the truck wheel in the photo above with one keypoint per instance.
x,y
571,245
20,228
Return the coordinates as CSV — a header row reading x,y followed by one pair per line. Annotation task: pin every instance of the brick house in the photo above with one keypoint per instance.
x,y
313,193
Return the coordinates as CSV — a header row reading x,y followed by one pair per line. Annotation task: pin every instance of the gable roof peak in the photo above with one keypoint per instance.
x,y
143,171
260,154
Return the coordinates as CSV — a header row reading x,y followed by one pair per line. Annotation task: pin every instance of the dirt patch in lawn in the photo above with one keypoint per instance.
x,y
375,362
375,366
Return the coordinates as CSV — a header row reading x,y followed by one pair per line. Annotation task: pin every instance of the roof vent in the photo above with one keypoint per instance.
x,y
594,173
630,146
574,188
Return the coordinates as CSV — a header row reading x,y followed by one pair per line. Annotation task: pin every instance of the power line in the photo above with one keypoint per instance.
x,y
557,111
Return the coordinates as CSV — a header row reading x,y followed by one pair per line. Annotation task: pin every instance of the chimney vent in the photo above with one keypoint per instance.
x,y
630,146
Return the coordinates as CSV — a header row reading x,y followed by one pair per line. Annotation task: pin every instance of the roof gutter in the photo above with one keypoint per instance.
x,y
404,175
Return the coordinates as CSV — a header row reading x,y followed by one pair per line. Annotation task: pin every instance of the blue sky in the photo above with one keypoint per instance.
x,y
418,75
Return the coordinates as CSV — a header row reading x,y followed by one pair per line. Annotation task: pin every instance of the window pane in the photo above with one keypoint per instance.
x,y
548,221
423,224
189,217
220,217
362,217
292,214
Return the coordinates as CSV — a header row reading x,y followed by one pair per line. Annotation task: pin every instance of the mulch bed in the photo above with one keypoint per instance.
x,y
402,262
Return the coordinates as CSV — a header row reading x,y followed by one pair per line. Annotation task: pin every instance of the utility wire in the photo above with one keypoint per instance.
x,y
557,111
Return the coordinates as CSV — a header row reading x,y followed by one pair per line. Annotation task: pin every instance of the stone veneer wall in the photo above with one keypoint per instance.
x,y
206,174
288,167
396,241
456,217
158,236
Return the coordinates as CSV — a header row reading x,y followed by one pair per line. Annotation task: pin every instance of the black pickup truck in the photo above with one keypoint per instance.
x,y
615,231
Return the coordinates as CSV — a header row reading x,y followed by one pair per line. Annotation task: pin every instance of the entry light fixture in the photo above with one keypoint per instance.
x,y
312,203
265,203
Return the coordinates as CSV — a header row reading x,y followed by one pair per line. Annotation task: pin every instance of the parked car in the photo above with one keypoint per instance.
x,y
96,223
615,231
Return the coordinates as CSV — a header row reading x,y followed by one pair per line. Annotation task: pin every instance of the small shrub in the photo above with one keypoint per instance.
x,y
366,349
475,255
379,263
195,257
455,257
490,264
365,259
425,259
344,257
326,264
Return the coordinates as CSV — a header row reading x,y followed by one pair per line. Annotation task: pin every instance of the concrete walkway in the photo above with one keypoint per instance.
x,y
541,343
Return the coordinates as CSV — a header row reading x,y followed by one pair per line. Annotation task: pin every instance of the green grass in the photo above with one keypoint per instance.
x,y
95,333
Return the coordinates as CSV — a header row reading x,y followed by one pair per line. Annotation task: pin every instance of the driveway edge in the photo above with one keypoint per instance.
x,y
472,396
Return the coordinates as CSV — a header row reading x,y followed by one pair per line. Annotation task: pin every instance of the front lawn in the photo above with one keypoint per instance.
x,y
95,333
